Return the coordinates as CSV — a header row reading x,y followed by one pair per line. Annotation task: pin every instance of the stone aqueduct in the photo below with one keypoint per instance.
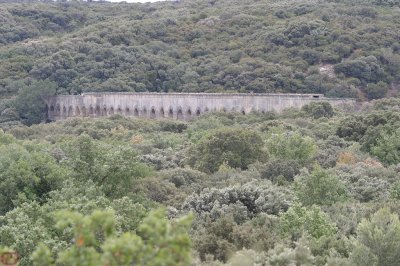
x,y
183,106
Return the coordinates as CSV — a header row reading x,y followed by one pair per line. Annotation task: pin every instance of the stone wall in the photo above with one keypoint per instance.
x,y
174,105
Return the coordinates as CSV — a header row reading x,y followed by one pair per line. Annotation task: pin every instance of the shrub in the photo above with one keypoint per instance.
x,y
291,146
378,240
234,146
298,220
387,148
319,187
318,109
274,169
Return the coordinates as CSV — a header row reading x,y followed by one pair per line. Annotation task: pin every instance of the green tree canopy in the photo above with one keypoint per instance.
x,y
95,242
236,147
30,102
378,240
319,187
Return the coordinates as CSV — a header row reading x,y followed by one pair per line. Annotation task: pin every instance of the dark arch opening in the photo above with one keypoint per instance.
x,y
243,112
77,111
91,110
179,114
136,112
70,111
170,113
153,113
104,110
97,111
64,110
198,112
119,110
127,111
58,109
51,109
189,114
111,110
144,113
224,109
162,113
83,111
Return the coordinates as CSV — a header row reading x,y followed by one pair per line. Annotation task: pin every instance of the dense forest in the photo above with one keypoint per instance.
x,y
342,48
318,185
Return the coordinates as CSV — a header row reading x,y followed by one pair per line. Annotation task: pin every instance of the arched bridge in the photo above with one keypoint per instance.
x,y
183,106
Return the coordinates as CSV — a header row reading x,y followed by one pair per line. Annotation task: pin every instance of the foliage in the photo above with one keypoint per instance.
x,y
319,187
234,146
299,220
366,182
113,168
291,146
276,169
387,148
318,109
300,255
27,172
339,48
364,68
157,241
377,241
274,211
30,102
245,201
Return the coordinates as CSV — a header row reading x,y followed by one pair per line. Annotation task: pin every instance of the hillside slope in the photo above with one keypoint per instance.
x,y
342,48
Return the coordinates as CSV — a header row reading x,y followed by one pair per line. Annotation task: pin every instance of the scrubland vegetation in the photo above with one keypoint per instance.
x,y
303,187
316,186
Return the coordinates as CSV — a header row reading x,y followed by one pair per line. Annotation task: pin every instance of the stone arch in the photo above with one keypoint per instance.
x,y
127,111
77,111
51,109
179,114
83,110
188,114
70,111
171,113
119,110
144,112
152,112
58,109
198,112
64,111
104,110
162,112
97,111
111,110
136,112
91,110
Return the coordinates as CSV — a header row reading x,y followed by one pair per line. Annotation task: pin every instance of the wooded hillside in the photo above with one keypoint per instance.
x,y
339,48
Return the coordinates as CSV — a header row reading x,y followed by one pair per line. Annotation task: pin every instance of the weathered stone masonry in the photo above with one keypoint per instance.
x,y
174,105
